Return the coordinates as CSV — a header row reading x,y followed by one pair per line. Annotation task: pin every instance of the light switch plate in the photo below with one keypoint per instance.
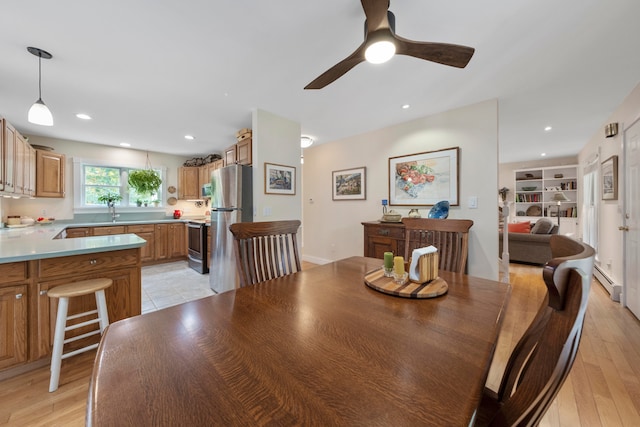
x,y
473,202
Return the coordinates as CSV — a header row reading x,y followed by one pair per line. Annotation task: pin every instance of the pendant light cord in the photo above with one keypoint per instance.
x,y
40,76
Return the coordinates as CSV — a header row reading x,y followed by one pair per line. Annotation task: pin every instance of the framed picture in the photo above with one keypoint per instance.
x,y
610,178
279,179
349,184
424,179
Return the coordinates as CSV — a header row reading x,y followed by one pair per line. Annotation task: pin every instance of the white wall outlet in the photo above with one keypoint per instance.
x,y
473,202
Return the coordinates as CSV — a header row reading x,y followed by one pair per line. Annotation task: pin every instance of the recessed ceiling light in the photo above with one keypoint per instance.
x,y
548,128
543,154
306,141
406,106
125,144
189,137
83,116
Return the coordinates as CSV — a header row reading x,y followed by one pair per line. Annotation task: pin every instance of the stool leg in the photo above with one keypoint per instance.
x,y
103,314
58,343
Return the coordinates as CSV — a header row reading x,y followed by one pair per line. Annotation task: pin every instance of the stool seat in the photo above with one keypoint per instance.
x,y
77,289
63,293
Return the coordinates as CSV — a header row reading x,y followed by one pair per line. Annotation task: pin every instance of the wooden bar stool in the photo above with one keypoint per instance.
x,y
64,292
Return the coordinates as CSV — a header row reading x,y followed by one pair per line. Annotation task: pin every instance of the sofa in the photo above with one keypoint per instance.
x,y
530,247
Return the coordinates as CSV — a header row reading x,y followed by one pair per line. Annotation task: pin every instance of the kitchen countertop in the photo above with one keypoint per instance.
x,y
38,241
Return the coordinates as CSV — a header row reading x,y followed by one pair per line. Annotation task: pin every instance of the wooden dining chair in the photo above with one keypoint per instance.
x,y
542,359
449,236
265,250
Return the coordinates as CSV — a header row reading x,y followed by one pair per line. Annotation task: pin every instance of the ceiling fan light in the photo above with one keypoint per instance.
x,y
39,114
380,52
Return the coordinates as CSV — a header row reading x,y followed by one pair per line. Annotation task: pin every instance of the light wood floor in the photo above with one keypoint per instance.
x,y
603,388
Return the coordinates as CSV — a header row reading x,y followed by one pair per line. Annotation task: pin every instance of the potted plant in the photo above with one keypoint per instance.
x,y
110,198
139,202
145,181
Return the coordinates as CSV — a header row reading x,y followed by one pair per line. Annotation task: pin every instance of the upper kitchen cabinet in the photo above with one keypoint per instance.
x,y
17,162
188,183
49,174
239,153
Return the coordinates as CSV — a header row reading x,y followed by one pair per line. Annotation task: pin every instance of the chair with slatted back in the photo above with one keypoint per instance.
x,y
542,359
449,236
265,250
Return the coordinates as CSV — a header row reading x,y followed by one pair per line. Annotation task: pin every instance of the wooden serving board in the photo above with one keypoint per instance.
x,y
376,280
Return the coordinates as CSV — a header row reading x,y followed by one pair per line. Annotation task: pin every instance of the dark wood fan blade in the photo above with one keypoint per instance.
x,y
338,70
376,13
442,53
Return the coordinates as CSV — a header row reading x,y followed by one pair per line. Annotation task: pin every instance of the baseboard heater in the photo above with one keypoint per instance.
x,y
612,287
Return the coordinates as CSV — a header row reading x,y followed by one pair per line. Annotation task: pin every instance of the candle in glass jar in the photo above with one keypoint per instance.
x,y
388,260
398,265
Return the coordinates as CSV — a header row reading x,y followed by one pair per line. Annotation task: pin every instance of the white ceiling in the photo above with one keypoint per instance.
x,y
151,71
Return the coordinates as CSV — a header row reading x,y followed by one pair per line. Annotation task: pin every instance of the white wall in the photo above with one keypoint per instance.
x,y
276,140
333,229
610,239
63,208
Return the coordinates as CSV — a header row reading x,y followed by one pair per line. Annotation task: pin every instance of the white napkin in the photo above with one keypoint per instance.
x,y
415,256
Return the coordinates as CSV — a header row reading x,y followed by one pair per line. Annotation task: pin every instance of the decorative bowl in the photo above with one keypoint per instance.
x,y
440,210
529,188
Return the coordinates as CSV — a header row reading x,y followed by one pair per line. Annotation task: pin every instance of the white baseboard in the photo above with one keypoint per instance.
x,y
315,260
608,283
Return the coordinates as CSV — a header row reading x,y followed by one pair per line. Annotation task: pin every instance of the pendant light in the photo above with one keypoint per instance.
x,y
39,114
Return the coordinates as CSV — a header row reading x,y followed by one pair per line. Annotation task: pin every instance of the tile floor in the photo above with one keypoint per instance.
x,y
165,285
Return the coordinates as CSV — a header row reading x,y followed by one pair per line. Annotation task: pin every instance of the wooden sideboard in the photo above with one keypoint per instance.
x,y
381,237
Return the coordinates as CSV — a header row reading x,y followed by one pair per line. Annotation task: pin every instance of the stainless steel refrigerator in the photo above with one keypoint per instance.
x,y
231,202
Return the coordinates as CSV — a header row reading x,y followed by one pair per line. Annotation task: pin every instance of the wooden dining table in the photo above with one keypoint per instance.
x,y
318,347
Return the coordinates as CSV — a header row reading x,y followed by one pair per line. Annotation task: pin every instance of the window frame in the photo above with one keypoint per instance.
x,y
78,186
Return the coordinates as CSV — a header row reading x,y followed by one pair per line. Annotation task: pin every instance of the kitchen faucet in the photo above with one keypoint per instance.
x,y
112,211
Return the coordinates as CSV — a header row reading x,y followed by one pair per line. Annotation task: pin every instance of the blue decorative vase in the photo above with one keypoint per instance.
x,y
440,210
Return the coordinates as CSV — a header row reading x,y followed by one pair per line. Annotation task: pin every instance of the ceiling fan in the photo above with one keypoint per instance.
x,y
381,43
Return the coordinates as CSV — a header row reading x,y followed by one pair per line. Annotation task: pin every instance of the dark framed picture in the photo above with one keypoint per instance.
x,y
279,179
349,184
610,178
424,179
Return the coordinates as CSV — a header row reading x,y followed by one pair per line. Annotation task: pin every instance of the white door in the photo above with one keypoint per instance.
x,y
632,218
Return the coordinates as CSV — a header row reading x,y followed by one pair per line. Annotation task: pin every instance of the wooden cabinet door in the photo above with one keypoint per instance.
x,y
123,300
188,183
13,325
230,157
49,174
162,241
8,150
148,251
30,170
243,152
177,237
18,166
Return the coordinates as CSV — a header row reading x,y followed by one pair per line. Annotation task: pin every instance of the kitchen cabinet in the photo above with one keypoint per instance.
x,y
108,230
177,240
162,242
8,156
49,174
71,233
239,153
124,297
13,314
382,237
146,232
29,170
188,183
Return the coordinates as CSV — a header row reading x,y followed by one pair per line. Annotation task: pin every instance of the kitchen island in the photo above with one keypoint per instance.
x,y
33,260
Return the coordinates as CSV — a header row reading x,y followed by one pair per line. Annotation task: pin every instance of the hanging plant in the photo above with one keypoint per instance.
x,y
145,181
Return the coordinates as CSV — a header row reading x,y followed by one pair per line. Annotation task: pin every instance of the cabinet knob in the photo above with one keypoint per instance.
x,y
93,262
623,228
18,296
43,292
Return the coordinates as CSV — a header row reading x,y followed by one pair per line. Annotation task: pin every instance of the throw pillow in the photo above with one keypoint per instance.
x,y
542,226
519,227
